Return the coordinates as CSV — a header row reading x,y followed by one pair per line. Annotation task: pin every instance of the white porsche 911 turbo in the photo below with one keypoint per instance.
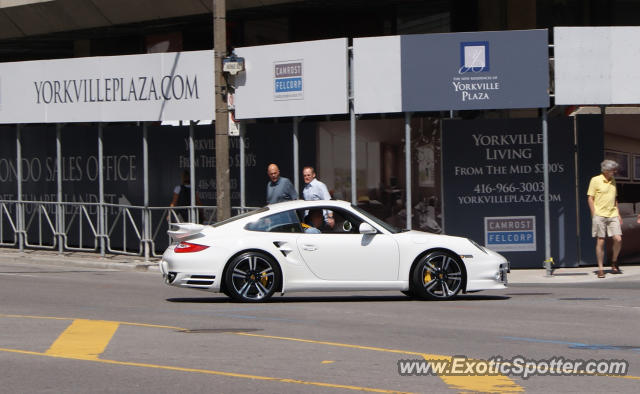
x,y
324,246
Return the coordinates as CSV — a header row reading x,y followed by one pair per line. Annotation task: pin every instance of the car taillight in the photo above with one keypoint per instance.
x,y
188,247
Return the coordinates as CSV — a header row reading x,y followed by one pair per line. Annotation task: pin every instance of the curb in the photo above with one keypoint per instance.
x,y
573,275
72,259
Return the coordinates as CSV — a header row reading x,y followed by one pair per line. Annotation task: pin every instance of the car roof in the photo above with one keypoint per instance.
x,y
296,204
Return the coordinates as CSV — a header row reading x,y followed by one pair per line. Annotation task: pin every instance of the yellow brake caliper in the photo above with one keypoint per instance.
x,y
427,277
264,279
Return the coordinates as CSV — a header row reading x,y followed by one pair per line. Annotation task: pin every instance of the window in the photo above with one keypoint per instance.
x,y
378,221
344,222
241,216
283,222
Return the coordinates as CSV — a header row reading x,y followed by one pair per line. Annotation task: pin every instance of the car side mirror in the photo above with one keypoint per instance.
x,y
366,228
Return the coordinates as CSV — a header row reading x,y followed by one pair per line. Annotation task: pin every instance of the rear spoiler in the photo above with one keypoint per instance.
x,y
180,231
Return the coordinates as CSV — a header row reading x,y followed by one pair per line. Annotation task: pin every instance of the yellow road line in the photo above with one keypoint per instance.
x,y
207,371
499,383
385,350
488,384
482,384
84,338
338,344
479,383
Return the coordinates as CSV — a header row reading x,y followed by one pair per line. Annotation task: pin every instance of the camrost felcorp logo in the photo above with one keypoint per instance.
x,y
510,233
288,80
473,81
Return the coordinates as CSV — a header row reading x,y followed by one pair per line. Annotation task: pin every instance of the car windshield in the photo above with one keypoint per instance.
x,y
378,221
242,215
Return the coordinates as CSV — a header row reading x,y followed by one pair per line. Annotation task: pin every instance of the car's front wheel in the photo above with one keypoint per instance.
x,y
437,275
252,277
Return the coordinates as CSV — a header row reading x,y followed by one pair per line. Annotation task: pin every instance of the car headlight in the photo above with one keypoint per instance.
x,y
477,245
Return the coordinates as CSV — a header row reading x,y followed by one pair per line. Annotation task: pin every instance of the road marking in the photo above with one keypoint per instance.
x,y
207,372
622,306
123,323
499,384
495,384
35,317
84,339
338,344
576,345
484,384
327,362
17,274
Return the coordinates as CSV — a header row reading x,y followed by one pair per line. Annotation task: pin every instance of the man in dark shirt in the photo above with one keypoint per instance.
x,y
182,198
279,188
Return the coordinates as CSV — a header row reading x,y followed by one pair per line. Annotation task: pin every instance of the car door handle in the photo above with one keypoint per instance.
x,y
310,248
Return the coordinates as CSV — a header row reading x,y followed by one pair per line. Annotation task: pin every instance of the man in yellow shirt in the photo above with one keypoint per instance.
x,y
605,218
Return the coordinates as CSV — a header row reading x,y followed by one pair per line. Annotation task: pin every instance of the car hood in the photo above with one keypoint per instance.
x,y
421,237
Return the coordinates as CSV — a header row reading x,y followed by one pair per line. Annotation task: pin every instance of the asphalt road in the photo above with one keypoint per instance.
x,y
73,329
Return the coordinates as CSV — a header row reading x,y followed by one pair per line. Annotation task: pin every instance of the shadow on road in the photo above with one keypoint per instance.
x,y
480,297
355,298
528,294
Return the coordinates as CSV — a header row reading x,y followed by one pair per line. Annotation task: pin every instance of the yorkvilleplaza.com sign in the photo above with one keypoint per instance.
x,y
152,87
142,88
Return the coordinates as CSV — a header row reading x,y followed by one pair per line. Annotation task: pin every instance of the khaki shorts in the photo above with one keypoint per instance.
x,y
603,227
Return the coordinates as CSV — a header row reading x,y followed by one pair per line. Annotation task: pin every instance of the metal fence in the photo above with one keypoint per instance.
x,y
94,227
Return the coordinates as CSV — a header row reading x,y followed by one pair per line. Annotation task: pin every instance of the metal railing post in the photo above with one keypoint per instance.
x,y
407,146
101,208
145,211
296,154
19,211
352,132
548,262
192,176
59,209
243,201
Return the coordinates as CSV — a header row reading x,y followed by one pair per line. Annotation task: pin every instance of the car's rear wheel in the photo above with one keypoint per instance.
x,y
437,275
252,277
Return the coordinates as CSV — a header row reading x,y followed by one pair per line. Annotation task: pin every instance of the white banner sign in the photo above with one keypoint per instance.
x,y
152,87
597,65
377,73
295,79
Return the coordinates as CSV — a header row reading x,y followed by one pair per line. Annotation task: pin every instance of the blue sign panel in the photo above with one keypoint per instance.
x,y
493,187
510,237
474,57
479,70
288,85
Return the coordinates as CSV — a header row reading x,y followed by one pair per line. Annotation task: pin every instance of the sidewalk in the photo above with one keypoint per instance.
x,y
573,275
79,259
137,263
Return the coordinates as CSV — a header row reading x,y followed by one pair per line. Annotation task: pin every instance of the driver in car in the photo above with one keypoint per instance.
x,y
315,220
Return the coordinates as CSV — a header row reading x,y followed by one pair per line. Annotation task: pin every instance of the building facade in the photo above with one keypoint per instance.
x,y
39,30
